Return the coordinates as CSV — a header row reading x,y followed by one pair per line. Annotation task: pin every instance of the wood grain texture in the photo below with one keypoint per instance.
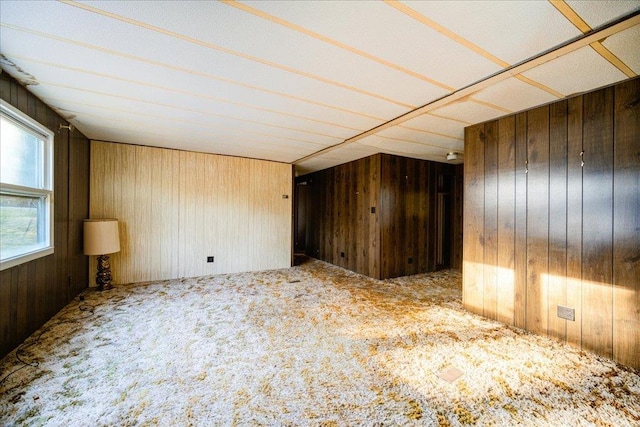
x,y
576,235
32,292
374,233
473,249
557,276
538,220
626,225
520,241
597,219
574,218
397,238
490,214
457,226
505,205
176,208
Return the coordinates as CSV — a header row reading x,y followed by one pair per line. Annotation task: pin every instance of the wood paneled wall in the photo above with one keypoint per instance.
x,y
31,293
176,208
378,215
551,217
341,227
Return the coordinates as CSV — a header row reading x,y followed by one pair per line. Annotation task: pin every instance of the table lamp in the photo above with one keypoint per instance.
x,y
101,238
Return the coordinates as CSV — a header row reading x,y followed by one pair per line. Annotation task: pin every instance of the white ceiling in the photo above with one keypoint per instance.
x,y
312,83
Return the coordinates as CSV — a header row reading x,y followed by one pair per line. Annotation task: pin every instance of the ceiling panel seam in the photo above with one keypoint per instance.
x,y
228,51
351,49
182,92
573,17
336,43
189,71
63,111
572,45
95,92
464,42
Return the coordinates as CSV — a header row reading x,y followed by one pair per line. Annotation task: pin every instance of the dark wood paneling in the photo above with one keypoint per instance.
x,y
457,226
374,234
538,219
577,224
520,249
79,152
397,238
574,218
473,249
490,281
597,222
626,225
557,279
31,293
506,220
409,200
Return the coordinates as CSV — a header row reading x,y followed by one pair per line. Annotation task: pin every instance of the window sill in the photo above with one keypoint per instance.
x,y
21,259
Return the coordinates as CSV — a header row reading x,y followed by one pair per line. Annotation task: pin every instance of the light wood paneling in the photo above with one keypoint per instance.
x,y
626,225
176,208
577,225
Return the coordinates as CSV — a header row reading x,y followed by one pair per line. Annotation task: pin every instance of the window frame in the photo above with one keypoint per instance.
x,y
45,193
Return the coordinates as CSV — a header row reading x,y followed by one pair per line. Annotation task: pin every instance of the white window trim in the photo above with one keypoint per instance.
x,y
47,192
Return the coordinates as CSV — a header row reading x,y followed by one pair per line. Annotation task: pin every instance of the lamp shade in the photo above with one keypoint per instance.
x,y
101,236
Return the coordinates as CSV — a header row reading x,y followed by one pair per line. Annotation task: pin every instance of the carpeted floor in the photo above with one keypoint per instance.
x,y
310,345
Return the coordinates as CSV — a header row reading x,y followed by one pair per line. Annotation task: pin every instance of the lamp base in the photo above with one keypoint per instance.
x,y
103,278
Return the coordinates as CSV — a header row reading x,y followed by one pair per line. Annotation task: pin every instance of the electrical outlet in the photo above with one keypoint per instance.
x,y
209,259
373,209
341,254
567,313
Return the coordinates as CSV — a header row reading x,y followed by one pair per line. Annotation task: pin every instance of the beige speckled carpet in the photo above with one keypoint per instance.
x,y
310,345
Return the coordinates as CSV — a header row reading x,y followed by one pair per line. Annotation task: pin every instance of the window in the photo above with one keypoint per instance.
x,y
26,188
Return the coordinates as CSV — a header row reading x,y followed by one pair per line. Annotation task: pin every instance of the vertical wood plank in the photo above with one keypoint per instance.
x,y
411,231
538,220
79,155
574,218
626,225
520,270
473,258
61,213
490,241
557,281
431,217
597,209
422,210
374,218
6,343
506,220
362,197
